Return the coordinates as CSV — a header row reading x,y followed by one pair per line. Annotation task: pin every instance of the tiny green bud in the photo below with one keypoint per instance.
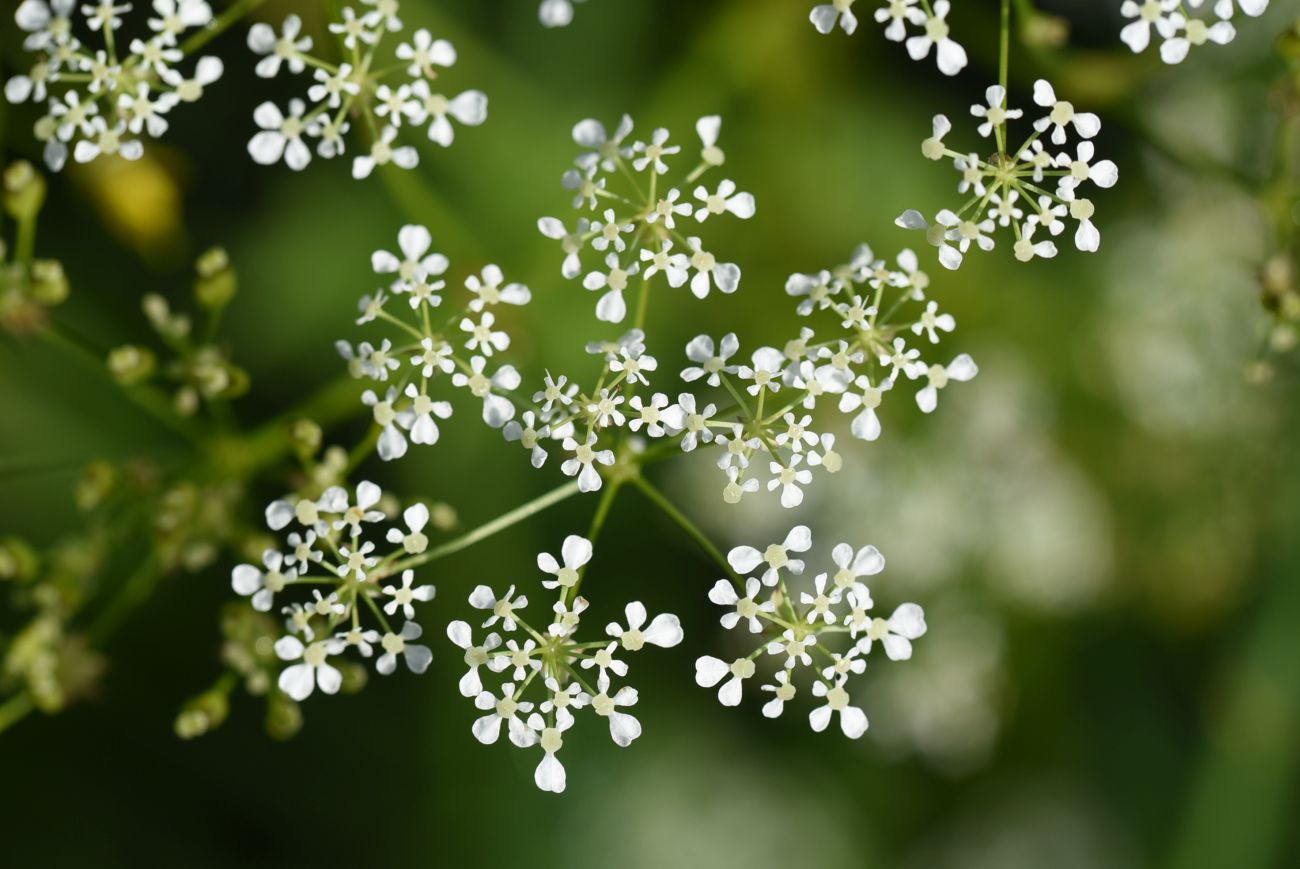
x,y
49,283
283,716
204,713
131,364
24,191
216,283
355,676
306,436
443,516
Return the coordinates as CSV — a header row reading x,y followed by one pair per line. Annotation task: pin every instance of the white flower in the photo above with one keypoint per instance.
x,y
556,13
826,15
416,263
938,234
287,48
1026,248
108,141
606,150
820,605
549,775
355,30
766,370
497,410
931,320
950,56
899,14
665,630
708,364
505,708
417,657
313,670
656,415
488,291
853,721
784,692
743,559
673,265
385,12
667,208
576,552
382,153
584,460
709,671
708,128
502,609
896,633
611,308
654,152
867,561
482,336
403,597
247,580
424,52
468,108
331,86
1061,115
475,656
623,728
529,435
695,422
709,271
996,113
961,369
902,359
281,136
572,242
724,593
726,199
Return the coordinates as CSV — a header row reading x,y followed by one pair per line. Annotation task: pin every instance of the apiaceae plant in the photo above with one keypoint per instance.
x,y
339,576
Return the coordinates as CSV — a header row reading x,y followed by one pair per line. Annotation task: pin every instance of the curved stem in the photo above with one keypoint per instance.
x,y
670,510
486,530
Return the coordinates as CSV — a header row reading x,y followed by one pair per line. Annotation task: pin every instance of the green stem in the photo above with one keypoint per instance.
x,y
148,398
501,523
137,587
670,510
219,25
597,523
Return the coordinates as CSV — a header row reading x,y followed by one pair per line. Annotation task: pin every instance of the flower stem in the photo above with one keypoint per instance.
x,y
486,530
670,510
219,25
597,523
1004,44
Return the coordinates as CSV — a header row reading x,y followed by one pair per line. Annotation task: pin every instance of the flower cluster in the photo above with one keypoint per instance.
x,y
351,585
827,630
928,25
1008,188
104,100
1179,30
556,13
404,408
385,97
567,674
200,369
759,420
635,233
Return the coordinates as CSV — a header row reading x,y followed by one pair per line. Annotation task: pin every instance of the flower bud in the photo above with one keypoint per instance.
x,y
24,191
283,716
18,561
131,364
216,283
204,713
49,283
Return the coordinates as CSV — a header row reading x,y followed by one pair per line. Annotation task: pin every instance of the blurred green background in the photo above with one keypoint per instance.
x,y
1102,527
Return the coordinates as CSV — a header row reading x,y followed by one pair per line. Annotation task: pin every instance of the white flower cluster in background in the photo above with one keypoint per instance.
x,y
566,674
825,628
556,13
104,98
642,226
355,589
918,24
1178,29
390,92
459,349
1033,189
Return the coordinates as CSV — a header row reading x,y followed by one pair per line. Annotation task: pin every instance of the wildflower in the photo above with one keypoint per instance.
x,y
576,552
313,670
403,596
949,55
417,657
826,15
